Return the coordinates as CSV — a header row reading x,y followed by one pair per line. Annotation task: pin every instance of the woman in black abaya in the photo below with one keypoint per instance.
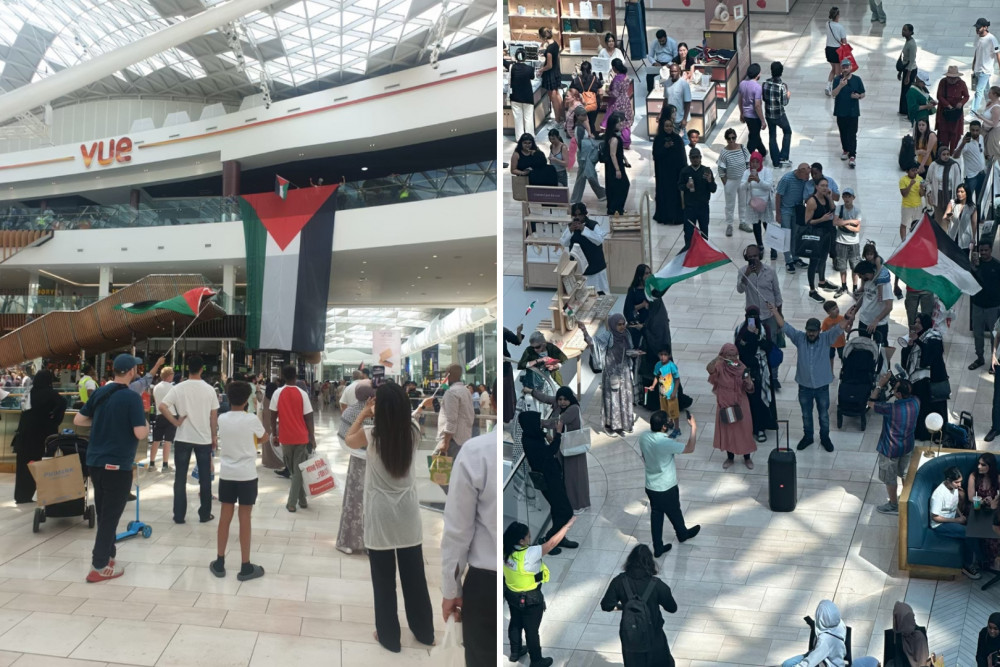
x,y
669,158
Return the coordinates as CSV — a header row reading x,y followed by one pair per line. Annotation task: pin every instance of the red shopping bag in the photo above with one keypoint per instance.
x,y
845,52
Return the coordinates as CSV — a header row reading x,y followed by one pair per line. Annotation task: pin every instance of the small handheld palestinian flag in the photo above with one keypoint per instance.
x,y
281,186
700,257
931,261
189,303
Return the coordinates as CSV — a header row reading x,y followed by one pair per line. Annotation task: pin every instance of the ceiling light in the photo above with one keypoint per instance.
x,y
301,154
412,285
371,145
364,168
427,267
362,272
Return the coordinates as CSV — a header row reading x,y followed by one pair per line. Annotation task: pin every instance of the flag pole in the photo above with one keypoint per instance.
x,y
197,315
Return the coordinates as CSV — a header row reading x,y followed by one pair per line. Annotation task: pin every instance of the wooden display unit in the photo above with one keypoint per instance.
x,y
727,75
543,218
624,249
537,14
589,30
704,111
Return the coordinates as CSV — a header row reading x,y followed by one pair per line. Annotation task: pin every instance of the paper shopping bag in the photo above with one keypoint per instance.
x,y
777,238
58,479
316,476
440,469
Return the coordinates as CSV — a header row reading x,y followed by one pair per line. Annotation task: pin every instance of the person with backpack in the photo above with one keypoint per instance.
x,y
640,594
523,576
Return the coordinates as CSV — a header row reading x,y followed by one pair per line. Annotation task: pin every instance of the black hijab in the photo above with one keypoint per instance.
x,y
567,393
531,424
989,645
43,395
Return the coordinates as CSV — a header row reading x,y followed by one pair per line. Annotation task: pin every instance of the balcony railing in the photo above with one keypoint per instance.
x,y
39,305
398,188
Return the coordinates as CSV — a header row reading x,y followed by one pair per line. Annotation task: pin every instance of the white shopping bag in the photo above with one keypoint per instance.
x,y
316,476
777,237
450,652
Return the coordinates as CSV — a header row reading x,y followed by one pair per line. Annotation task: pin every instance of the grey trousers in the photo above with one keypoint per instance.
x,y
983,319
586,174
293,455
878,14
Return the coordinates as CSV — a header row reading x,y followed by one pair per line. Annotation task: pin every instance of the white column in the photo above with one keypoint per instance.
x,y
229,286
73,78
104,282
33,277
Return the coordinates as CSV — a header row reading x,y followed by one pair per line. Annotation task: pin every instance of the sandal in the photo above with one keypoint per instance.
x,y
762,437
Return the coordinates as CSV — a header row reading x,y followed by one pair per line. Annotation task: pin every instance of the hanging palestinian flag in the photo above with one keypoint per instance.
x,y
189,303
281,186
288,244
930,260
700,257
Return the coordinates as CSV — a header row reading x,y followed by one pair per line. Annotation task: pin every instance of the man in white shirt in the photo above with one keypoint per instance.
x,y
986,51
196,406
873,308
948,521
971,151
677,92
163,430
347,399
470,538
456,417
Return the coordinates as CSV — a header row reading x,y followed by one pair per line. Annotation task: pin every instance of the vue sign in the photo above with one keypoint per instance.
x,y
117,151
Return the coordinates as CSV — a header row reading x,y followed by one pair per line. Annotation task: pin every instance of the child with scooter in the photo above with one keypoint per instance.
x,y
237,477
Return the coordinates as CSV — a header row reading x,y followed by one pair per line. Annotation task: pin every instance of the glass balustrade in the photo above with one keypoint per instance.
x,y
394,189
39,305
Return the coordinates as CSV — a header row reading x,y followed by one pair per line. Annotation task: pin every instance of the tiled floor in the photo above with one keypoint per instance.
x,y
313,606
745,582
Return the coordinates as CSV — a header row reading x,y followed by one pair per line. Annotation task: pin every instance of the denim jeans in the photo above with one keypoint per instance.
x,y
821,396
956,531
878,14
182,459
754,141
979,97
974,184
786,138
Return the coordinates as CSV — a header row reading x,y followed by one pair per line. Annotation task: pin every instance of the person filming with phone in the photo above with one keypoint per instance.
x,y
658,450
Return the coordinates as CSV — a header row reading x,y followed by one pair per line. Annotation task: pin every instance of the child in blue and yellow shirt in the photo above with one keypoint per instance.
x,y
666,374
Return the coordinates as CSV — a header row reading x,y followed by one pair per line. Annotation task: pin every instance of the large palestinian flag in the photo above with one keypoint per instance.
x,y
288,244
930,260
700,257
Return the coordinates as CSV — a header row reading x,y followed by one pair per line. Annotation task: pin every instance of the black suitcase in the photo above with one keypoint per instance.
x,y
781,475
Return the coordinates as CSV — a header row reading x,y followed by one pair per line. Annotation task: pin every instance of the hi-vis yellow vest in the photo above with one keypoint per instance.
x,y
82,387
517,579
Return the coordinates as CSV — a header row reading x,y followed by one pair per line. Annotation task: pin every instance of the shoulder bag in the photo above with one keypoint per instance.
x,y
900,65
731,415
940,391
574,443
589,96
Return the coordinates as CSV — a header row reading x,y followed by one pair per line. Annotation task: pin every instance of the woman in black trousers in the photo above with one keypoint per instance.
x,y
542,457
639,580
615,177
37,423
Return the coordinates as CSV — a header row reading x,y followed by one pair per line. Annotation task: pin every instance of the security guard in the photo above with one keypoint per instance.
x,y
86,385
523,576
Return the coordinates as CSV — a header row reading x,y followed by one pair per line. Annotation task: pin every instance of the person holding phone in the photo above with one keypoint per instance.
x,y
658,450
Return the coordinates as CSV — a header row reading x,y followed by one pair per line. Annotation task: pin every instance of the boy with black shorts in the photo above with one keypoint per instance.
x,y
237,477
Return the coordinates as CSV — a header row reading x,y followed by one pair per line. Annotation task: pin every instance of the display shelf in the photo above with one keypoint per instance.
x,y
542,226
728,74
536,14
703,114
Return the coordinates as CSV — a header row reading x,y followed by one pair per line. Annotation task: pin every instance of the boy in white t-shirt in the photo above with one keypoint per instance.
x,y
237,477
948,521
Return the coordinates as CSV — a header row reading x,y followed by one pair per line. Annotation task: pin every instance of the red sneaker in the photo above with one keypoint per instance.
x,y
109,572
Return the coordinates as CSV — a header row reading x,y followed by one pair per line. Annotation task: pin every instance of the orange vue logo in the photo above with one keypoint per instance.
x,y
117,151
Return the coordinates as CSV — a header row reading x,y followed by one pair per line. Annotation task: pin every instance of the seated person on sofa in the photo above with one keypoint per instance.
x,y
947,521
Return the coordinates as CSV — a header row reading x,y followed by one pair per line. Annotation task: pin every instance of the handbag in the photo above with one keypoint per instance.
x,y
576,442
731,415
758,204
811,244
590,97
952,114
845,52
940,391
900,65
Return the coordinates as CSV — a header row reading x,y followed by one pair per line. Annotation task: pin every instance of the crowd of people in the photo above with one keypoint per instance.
x,y
946,155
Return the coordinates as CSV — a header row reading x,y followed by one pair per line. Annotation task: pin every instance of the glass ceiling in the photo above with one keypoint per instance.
x,y
352,327
300,46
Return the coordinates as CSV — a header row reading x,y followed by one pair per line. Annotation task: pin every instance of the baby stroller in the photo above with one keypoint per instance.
x,y
862,364
68,444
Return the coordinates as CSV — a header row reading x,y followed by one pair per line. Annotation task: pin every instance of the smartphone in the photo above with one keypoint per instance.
x,y
752,321
687,413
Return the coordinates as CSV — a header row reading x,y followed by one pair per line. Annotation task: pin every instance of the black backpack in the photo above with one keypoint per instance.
x,y
637,625
907,152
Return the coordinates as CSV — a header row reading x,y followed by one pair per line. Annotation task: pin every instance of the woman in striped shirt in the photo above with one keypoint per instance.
x,y
733,161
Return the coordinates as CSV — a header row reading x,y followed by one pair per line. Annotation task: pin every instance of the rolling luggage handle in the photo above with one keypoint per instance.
x,y
777,435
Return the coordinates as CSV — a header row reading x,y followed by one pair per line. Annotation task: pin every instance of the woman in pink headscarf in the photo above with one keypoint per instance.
x,y
733,426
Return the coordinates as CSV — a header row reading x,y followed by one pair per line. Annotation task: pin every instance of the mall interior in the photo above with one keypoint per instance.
x,y
131,133
744,584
